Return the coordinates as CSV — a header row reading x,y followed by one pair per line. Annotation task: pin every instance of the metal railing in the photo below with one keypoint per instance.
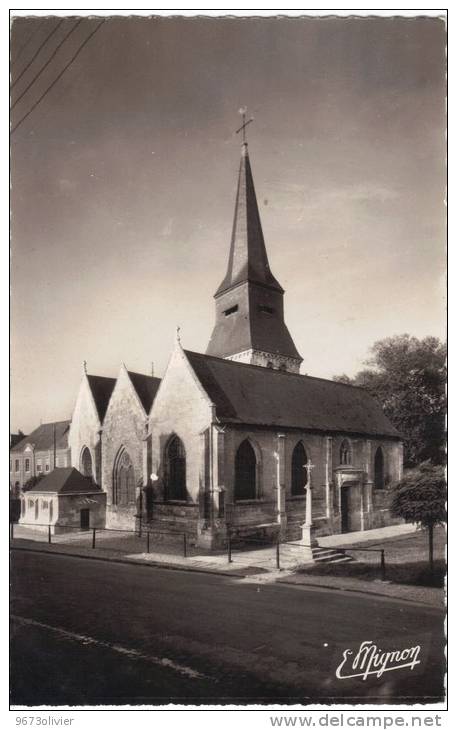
x,y
276,545
139,534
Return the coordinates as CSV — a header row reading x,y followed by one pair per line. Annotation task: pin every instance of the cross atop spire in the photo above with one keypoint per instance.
x,y
243,111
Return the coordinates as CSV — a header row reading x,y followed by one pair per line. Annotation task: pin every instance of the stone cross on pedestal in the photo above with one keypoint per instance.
x,y
308,538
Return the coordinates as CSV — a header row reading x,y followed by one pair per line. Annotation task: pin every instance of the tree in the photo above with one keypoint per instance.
x,y
420,497
408,378
30,483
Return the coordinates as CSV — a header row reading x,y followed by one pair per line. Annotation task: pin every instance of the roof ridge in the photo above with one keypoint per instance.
x,y
143,375
273,370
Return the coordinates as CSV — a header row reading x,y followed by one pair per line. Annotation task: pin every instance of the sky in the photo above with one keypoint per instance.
x,y
123,181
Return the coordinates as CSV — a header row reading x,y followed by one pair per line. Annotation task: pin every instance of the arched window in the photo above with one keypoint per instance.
x,y
86,463
175,470
245,472
124,480
345,453
299,472
379,480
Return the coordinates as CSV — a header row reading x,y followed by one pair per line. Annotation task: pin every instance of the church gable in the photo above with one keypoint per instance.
x,y
124,429
181,409
84,435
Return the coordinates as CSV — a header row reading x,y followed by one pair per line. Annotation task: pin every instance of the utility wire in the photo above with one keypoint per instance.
x,y
37,52
34,106
53,54
26,43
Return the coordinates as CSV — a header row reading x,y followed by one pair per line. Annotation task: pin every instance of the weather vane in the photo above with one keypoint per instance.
x,y
243,111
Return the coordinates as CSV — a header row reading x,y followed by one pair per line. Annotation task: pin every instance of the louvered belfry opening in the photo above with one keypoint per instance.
x,y
175,467
245,472
299,473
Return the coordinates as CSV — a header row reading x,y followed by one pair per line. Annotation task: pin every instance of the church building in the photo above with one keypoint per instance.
x,y
236,440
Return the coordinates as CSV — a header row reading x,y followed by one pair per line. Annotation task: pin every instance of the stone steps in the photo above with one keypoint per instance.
x,y
330,555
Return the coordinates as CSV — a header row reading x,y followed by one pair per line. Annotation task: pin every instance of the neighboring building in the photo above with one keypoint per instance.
x,y
16,437
39,453
63,500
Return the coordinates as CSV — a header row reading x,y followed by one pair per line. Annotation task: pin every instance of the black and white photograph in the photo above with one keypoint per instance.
x,y
228,328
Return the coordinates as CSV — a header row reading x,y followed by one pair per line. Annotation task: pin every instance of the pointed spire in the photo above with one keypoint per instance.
x,y
248,260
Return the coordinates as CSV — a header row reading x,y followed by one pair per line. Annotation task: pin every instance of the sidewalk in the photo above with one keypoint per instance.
x,y
257,565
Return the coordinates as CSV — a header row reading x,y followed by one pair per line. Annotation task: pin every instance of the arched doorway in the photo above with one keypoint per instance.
x,y
245,472
124,480
175,470
299,476
86,463
379,480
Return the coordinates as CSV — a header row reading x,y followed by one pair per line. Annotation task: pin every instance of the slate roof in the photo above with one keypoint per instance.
x,y
42,438
67,480
146,387
253,395
101,388
248,260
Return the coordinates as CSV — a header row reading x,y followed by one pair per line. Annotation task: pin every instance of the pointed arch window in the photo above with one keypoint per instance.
x,y
124,480
345,453
299,477
175,469
245,472
379,478
86,463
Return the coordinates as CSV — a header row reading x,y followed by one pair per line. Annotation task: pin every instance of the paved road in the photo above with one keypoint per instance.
x,y
92,632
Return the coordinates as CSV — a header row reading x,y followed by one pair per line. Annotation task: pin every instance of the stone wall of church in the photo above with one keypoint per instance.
x,y
180,408
124,427
324,453
85,431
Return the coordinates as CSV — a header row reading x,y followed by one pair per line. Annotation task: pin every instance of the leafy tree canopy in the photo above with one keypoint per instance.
x,y
408,378
420,497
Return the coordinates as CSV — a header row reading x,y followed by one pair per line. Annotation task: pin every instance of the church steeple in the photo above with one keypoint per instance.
x,y
250,323
248,260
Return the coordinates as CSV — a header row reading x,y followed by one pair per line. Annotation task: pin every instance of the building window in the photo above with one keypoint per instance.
x,y
175,470
245,472
37,508
299,472
23,507
345,453
38,466
231,310
27,465
51,510
86,463
46,467
16,465
266,310
31,503
44,504
124,480
379,480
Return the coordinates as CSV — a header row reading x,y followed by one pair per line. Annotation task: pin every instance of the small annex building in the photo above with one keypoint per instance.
x,y
63,500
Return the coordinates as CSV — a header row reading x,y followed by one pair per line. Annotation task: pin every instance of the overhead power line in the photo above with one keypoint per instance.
x,y
27,41
54,30
75,55
53,55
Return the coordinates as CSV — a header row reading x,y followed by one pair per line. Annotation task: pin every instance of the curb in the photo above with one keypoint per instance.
x,y
360,591
126,561
227,574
